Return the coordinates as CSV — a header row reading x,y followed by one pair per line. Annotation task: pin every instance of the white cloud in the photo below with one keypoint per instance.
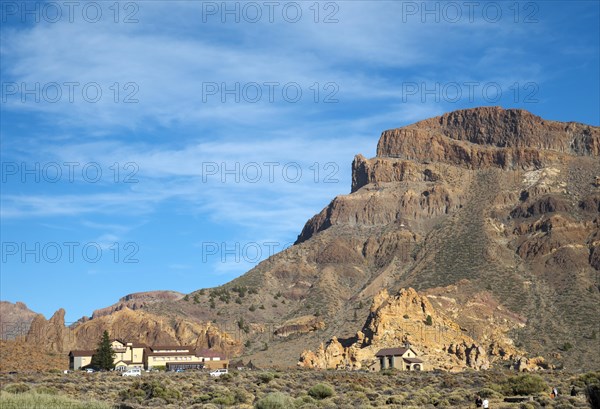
x,y
170,54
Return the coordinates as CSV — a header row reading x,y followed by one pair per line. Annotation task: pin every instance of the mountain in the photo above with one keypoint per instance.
x,y
138,301
481,210
15,319
490,216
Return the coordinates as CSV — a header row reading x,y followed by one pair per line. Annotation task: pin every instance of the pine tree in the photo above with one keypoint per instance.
x,y
104,356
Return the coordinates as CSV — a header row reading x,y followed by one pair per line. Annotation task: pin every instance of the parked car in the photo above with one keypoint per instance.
x,y
90,370
219,372
133,372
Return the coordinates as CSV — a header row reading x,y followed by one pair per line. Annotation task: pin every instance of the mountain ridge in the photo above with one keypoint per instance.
x,y
486,207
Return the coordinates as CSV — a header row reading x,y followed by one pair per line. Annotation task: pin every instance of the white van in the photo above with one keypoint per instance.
x,y
133,372
219,372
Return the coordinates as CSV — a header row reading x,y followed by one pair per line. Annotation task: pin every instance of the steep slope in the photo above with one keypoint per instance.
x,y
493,214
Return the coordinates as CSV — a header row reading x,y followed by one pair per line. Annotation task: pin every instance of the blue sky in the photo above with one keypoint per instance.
x,y
172,145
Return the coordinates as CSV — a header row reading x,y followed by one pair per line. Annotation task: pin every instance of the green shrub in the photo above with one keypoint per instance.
x,y
588,379
38,400
321,391
202,398
566,346
489,393
276,400
226,399
17,388
241,396
46,390
525,385
150,390
429,320
265,377
394,400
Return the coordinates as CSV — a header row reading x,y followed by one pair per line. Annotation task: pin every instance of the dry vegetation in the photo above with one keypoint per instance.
x,y
292,389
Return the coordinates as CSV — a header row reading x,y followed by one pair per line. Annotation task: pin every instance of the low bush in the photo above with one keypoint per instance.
x,y
17,388
225,377
321,391
37,400
489,393
46,390
524,385
226,399
275,400
265,377
149,390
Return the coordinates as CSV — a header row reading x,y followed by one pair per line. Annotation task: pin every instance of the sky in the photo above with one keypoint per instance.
x,y
172,145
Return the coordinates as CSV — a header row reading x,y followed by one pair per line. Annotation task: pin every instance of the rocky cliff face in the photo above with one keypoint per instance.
x,y
15,320
135,326
490,137
410,317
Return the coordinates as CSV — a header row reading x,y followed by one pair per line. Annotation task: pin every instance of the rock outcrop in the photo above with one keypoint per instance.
x,y
135,326
410,317
15,320
301,325
490,137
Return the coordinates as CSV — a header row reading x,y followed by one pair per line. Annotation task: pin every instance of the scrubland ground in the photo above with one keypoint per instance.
x,y
293,389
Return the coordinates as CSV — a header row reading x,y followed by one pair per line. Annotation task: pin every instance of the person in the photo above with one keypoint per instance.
x,y
485,404
554,392
573,391
478,401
